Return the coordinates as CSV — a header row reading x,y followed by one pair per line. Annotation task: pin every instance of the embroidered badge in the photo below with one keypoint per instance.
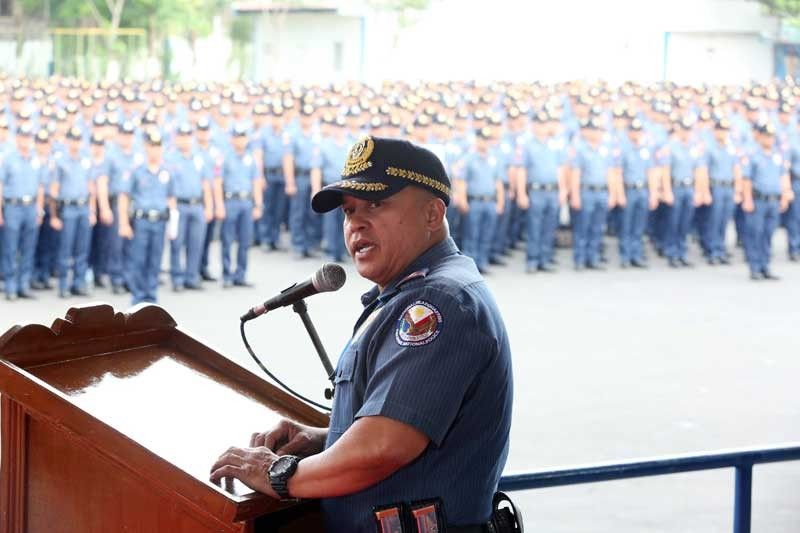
x,y
358,157
644,153
777,159
163,177
419,324
198,163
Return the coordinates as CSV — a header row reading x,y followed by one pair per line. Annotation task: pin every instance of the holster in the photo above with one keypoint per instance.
x,y
506,518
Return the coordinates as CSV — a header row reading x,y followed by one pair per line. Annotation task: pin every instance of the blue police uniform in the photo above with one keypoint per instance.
x,y
455,151
213,159
594,165
22,179
238,173
332,158
481,173
436,322
509,223
74,175
120,166
685,159
636,163
101,234
722,161
276,203
542,159
793,213
764,170
304,147
190,175
149,191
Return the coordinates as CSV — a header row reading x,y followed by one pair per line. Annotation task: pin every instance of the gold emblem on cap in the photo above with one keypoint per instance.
x,y
358,157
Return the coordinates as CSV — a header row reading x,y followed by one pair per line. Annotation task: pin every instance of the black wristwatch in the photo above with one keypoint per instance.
x,y
280,472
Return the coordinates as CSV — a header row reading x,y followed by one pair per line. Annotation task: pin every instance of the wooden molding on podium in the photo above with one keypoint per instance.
x,y
111,422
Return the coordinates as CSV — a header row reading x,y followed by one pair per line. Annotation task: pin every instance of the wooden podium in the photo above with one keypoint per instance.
x,y
111,422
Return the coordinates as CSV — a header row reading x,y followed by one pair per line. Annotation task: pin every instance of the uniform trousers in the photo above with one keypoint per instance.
x,y
333,222
276,204
300,216
761,225
679,222
588,227
542,222
146,251
188,243
793,219
237,226
632,225
17,247
73,248
720,215
481,222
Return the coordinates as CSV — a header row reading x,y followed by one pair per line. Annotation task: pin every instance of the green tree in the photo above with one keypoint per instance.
x,y
785,9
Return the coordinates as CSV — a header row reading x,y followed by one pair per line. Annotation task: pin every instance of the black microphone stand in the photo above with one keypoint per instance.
x,y
301,309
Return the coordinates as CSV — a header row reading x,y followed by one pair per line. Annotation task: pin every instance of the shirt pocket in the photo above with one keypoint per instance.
x,y
343,399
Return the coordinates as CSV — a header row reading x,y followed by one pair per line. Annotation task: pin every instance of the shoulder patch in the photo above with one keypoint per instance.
x,y
420,324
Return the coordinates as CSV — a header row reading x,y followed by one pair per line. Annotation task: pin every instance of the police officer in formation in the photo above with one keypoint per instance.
x,y
666,164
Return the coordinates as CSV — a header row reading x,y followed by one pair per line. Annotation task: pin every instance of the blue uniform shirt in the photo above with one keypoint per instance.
x,y
594,163
21,176
430,351
636,161
331,160
541,160
74,174
188,173
684,159
120,166
238,172
303,147
722,159
150,190
271,144
482,172
765,170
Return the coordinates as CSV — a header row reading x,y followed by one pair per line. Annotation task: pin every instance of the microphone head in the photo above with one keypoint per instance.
x,y
330,277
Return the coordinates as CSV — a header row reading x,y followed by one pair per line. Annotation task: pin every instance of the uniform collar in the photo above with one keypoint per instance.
x,y
417,269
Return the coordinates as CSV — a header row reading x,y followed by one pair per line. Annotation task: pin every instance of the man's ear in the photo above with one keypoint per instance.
x,y
435,214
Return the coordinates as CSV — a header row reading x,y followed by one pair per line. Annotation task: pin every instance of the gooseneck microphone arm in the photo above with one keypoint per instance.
x,y
302,309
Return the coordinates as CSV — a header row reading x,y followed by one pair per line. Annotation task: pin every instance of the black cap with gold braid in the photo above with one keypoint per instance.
x,y
377,168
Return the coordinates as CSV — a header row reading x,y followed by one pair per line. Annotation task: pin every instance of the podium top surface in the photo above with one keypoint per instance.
x,y
157,388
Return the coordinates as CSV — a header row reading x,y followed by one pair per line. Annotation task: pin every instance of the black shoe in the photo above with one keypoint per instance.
x,y
639,264
756,276
625,264
673,263
723,260
770,276
794,258
546,268
497,262
506,252
595,266
685,263
194,287
63,294
243,284
177,288
118,289
80,291
11,296
207,277
27,295
712,261
100,283
531,269
579,267
227,284
37,285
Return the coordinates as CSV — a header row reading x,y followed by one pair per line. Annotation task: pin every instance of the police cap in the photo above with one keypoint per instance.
x,y
376,168
75,134
153,137
203,124
185,129
97,139
127,127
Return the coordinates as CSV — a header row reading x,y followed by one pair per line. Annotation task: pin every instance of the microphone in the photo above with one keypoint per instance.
x,y
329,278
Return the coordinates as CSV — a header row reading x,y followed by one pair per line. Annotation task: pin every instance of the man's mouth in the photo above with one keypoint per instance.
x,y
362,248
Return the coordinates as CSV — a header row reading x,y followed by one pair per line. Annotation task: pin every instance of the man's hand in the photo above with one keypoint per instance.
x,y
669,198
220,212
523,202
56,223
208,213
291,438
1,218
126,231
106,217
257,212
653,202
248,465
290,188
92,218
748,206
575,203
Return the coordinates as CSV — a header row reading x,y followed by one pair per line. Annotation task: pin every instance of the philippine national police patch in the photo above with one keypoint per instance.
x,y
419,324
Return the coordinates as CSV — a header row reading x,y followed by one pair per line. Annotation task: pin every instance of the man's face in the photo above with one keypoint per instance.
x,y
383,237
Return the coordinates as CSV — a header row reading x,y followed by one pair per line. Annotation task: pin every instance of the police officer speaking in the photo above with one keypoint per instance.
x,y
397,436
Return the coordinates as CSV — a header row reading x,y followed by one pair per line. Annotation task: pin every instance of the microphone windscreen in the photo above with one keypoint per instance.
x,y
330,277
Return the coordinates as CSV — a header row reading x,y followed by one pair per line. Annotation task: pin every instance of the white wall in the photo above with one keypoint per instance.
x,y
301,46
565,39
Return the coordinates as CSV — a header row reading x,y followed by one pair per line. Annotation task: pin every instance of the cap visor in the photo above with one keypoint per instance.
x,y
331,197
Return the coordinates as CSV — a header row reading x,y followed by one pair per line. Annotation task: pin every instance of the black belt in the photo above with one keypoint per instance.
x,y
720,183
683,183
273,170
481,198
302,171
546,187
24,201
238,195
190,201
766,197
151,215
636,186
73,203
595,188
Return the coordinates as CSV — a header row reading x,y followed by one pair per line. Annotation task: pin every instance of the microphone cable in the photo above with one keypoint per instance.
x,y
275,378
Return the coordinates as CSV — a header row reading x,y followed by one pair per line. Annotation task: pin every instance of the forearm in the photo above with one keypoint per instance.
x,y
102,194
218,195
316,179
258,193
124,221
288,169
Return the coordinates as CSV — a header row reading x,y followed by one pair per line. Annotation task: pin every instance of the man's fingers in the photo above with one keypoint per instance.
x,y
295,446
227,471
232,457
255,440
274,438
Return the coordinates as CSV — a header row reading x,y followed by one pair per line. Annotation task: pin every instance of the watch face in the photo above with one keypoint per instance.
x,y
282,466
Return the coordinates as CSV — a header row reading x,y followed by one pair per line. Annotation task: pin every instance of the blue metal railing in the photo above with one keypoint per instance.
x,y
741,459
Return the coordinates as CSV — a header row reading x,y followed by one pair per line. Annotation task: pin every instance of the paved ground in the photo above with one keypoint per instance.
x,y
608,365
